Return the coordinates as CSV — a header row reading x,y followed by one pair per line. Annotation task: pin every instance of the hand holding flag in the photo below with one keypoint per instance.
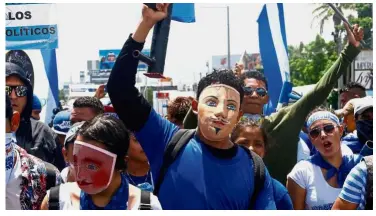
x,y
151,16
355,35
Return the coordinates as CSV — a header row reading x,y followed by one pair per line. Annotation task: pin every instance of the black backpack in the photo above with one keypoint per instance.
x,y
53,201
182,137
51,175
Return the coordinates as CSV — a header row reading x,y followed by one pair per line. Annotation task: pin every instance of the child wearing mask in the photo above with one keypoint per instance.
x,y
98,164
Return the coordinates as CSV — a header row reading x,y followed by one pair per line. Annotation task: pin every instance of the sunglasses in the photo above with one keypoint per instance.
x,y
259,91
21,91
328,129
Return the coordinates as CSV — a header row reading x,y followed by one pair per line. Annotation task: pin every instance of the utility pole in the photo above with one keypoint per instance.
x,y
228,38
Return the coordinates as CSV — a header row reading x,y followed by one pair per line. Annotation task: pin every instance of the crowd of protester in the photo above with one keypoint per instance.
x,y
215,151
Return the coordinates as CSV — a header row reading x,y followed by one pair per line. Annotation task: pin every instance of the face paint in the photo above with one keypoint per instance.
x,y
218,111
93,166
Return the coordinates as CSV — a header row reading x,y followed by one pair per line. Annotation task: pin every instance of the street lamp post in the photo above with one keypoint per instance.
x,y
228,35
228,38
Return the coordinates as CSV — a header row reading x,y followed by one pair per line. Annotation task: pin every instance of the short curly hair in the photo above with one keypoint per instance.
x,y
225,77
255,75
353,85
89,102
177,109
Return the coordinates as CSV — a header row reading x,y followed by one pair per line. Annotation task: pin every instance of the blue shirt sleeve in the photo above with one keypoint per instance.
x,y
354,188
281,196
265,199
153,137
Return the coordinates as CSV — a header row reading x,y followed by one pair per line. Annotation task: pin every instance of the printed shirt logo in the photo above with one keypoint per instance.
x,y
64,125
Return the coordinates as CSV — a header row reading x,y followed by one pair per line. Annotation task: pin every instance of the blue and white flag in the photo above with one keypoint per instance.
x,y
31,26
183,12
273,49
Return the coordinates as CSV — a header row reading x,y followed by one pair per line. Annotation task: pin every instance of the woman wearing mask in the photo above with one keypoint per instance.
x,y
249,133
316,183
98,161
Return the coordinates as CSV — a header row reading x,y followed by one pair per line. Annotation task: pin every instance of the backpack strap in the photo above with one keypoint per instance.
x,y
145,200
173,148
51,175
53,199
259,175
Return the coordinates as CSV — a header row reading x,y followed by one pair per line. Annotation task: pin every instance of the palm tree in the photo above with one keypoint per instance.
x,y
323,13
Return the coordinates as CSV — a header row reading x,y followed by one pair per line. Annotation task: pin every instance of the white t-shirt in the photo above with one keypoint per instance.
x,y
303,150
64,174
67,189
13,189
320,195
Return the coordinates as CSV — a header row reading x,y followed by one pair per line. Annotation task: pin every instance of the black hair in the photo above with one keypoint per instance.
x,y
353,85
178,109
112,133
249,123
9,109
89,102
225,77
255,75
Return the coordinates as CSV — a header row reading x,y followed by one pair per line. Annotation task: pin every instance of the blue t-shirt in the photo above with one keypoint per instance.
x,y
198,180
352,141
281,196
354,188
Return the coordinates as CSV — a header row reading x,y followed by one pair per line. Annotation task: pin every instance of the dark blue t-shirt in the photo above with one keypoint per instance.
x,y
281,196
197,179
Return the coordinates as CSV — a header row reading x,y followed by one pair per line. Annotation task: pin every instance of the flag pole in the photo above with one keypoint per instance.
x,y
228,39
344,20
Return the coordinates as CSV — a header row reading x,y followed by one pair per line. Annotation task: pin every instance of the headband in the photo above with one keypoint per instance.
x,y
320,115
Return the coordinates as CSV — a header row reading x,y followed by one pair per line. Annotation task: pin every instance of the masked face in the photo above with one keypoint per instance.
x,y
364,130
93,165
218,111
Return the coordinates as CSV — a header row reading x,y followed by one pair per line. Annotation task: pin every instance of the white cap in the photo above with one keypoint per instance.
x,y
362,104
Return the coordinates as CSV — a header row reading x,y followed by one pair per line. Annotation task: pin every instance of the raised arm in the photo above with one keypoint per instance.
x,y
298,112
151,130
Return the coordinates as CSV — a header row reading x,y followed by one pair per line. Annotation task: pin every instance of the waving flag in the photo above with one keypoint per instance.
x,y
273,49
183,12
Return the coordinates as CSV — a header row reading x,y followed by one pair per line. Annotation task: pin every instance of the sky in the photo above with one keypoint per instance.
x,y
86,28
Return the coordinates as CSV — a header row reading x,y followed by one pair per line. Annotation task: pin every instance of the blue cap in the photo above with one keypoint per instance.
x,y
62,123
72,133
36,103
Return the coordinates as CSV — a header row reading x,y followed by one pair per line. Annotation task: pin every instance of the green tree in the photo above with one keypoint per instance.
x,y
364,19
62,96
323,13
309,62
149,96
